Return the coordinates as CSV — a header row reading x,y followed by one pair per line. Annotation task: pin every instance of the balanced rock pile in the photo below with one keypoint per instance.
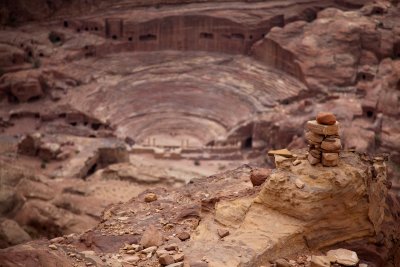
x,y
324,142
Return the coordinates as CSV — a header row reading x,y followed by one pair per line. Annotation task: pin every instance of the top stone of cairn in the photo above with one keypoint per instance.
x,y
326,118
317,128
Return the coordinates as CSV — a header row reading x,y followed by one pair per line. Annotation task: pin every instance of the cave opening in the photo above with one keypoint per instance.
x,y
114,37
398,85
206,35
237,36
34,98
66,24
310,15
248,143
91,170
370,113
147,37
378,11
54,37
95,126
365,76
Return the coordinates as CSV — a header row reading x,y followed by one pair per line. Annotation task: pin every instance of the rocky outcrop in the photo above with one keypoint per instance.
x,y
330,52
12,234
351,52
23,86
277,219
46,207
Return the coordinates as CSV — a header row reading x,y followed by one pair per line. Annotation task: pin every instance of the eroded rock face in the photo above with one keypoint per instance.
x,y
332,57
12,234
274,221
85,83
23,86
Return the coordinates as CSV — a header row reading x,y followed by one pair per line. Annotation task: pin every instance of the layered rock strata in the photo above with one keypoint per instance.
x,y
278,219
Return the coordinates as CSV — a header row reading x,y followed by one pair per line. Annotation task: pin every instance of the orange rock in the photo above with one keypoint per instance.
x,y
313,160
151,237
183,236
326,118
259,175
166,259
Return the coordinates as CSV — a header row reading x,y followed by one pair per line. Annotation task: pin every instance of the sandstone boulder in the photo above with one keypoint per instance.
x,y
343,256
23,86
320,261
326,118
49,151
8,199
259,175
29,144
312,159
315,138
282,263
166,259
331,145
151,237
12,234
150,197
183,236
330,159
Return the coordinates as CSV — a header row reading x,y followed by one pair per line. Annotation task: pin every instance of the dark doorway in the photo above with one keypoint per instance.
x,y
147,37
206,35
248,143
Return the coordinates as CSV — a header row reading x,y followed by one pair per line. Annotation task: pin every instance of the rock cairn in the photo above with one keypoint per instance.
x,y
324,141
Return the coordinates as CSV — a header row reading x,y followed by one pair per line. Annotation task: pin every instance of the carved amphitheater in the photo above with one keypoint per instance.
x,y
111,102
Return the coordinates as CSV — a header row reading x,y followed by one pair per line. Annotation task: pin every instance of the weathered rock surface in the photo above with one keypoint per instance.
x,y
12,234
343,256
271,222
87,82
320,261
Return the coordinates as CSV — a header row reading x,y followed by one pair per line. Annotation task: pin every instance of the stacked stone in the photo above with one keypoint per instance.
x,y
324,141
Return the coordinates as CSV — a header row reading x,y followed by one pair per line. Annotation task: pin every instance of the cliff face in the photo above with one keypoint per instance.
x,y
346,52
300,208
